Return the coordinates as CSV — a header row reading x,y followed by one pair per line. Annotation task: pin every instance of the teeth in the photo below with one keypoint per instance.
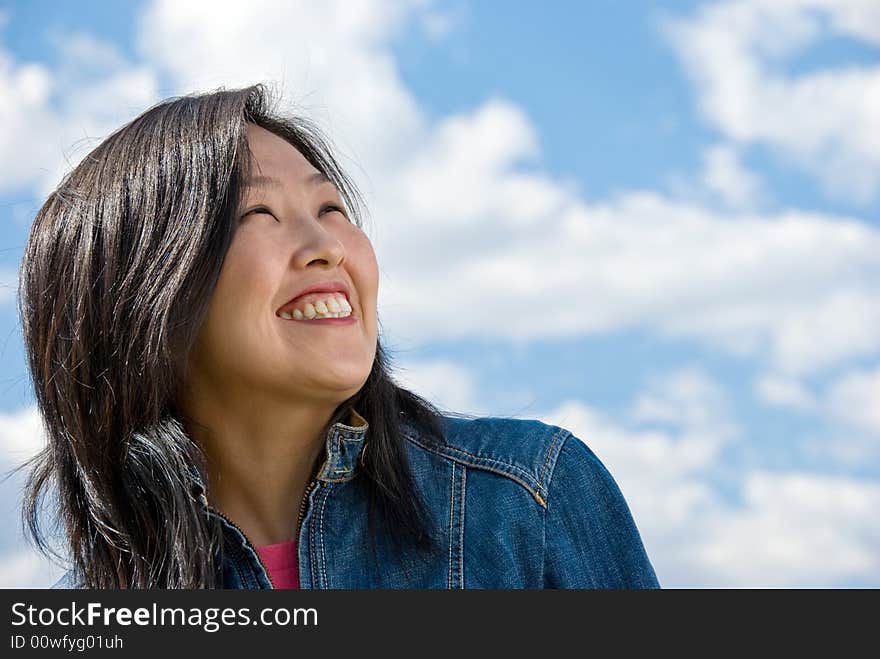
x,y
339,314
332,307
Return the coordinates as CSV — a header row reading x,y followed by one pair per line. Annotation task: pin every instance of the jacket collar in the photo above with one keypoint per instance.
x,y
344,444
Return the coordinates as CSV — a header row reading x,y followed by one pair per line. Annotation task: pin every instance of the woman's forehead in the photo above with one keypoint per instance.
x,y
273,157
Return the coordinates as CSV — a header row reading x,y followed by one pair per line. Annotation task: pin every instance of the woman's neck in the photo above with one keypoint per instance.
x,y
260,462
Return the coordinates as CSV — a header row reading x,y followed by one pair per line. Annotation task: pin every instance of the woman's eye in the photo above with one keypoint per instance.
x,y
258,209
264,210
332,207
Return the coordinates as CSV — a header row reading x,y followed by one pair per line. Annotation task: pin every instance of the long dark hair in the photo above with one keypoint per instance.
x,y
116,278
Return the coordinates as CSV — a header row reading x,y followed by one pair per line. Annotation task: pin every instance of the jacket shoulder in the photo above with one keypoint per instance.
x,y
523,450
592,540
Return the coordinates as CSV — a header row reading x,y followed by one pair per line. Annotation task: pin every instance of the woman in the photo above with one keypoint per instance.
x,y
198,303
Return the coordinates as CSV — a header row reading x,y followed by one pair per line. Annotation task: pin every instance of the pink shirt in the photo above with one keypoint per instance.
x,y
281,563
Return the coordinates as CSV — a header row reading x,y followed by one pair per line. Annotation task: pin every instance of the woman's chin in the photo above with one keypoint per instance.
x,y
343,382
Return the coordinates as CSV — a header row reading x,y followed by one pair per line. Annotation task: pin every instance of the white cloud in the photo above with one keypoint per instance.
x,y
837,327
687,398
795,529
725,175
27,125
787,529
21,435
45,112
8,285
824,121
844,428
783,391
25,568
855,400
21,566
841,447
440,23
462,174
800,288
447,385
331,61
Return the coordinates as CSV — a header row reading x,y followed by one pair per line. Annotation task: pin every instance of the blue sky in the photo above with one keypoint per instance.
x,y
687,193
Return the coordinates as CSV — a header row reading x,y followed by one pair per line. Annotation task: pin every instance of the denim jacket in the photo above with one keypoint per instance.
x,y
520,504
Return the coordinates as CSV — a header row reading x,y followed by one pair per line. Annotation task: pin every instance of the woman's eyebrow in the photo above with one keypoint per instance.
x,y
316,178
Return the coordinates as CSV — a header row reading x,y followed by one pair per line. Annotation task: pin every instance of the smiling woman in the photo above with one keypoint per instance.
x,y
199,309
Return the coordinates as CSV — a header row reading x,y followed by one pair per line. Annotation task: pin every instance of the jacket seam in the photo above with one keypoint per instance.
x,y
451,527
321,534
529,486
544,514
562,432
461,526
547,510
535,486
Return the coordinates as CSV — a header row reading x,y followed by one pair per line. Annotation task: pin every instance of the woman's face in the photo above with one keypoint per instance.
x,y
289,238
